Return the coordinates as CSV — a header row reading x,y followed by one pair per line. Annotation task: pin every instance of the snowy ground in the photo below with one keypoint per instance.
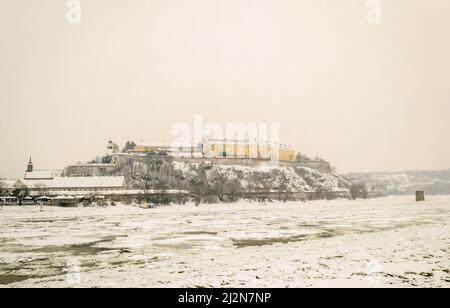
x,y
376,243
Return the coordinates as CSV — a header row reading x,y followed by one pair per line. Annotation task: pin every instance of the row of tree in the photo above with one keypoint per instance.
x,y
207,183
214,187
221,187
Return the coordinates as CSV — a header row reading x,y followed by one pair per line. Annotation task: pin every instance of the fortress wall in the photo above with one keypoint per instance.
x,y
89,170
237,161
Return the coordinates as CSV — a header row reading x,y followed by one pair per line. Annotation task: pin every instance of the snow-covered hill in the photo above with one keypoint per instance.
x,y
179,174
432,182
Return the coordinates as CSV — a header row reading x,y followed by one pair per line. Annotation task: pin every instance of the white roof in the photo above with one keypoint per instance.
x,y
246,142
156,144
9,183
83,193
42,174
63,198
78,182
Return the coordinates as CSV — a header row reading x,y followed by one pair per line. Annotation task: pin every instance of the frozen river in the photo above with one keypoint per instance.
x,y
376,243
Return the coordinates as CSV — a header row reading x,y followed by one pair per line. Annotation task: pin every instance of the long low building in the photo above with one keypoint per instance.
x,y
38,183
72,185
221,148
113,186
244,149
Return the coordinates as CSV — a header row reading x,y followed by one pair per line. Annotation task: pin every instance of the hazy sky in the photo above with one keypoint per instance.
x,y
367,97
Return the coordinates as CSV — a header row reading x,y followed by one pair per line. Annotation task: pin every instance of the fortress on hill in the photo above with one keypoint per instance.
x,y
253,169
214,151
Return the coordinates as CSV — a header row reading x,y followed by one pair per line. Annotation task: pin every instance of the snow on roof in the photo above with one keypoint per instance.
x,y
247,142
9,183
156,144
44,198
78,182
7,198
63,198
42,174
132,192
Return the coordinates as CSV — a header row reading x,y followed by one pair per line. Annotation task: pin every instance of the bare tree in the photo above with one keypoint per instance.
x,y
141,197
128,200
283,187
199,190
217,184
359,191
323,192
129,146
161,186
3,188
233,189
264,184
20,193
146,193
250,190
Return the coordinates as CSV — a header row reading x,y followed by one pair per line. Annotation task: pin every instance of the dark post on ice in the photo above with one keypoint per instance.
x,y
420,196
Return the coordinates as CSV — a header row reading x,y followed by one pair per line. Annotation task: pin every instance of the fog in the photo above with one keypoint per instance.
x,y
367,97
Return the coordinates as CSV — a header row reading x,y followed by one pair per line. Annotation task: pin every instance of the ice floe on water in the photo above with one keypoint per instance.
x,y
368,243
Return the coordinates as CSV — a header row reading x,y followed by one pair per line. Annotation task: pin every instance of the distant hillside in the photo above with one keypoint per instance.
x,y
407,182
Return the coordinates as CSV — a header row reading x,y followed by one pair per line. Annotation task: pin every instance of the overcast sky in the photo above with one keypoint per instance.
x,y
367,97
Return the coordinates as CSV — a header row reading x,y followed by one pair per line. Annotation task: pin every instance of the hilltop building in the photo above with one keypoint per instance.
x,y
52,182
72,185
76,188
103,166
169,149
90,169
40,174
221,148
245,149
112,148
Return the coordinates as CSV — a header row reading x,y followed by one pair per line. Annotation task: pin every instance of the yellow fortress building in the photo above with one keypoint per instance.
x,y
248,150
222,148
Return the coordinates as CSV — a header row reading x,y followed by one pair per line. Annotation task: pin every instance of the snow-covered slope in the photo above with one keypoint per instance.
x,y
179,174
432,182
294,178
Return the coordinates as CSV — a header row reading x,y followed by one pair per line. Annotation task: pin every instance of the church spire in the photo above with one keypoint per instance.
x,y
30,166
